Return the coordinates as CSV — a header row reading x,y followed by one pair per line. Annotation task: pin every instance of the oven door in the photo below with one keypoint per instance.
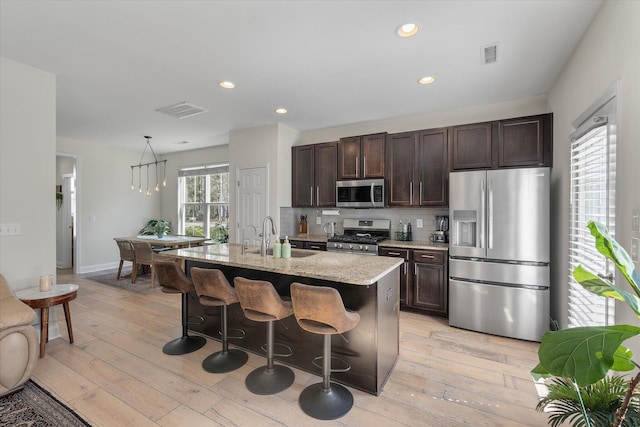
x,y
365,193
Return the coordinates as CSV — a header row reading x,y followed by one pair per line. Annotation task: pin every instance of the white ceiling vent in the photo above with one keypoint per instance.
x,y
182,110
490,54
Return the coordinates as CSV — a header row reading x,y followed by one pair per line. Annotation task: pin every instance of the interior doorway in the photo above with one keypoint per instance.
x,y
66,213
253,200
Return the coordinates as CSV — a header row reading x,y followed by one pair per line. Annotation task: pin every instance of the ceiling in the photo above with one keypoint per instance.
x,y
329,63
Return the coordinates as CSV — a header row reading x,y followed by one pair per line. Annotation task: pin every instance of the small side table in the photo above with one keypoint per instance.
x,y
59,294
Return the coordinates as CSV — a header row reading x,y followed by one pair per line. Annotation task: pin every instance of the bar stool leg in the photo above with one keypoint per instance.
x,y
225,360
326,400
186,343
269,379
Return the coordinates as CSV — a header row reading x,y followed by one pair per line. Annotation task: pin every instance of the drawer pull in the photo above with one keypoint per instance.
x,y
427,256
394,253
314,247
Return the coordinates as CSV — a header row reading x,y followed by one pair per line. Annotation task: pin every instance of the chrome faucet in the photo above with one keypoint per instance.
x,y
266,237
245,245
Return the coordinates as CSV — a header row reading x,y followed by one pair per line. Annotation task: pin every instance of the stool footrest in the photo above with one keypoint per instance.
x,y
345,369
200,320
241,336
288,354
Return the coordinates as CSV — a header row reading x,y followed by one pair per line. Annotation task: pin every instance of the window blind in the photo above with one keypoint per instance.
x,y
592,199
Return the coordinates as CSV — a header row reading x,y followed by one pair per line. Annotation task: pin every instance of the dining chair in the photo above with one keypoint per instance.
x,y
127,253
144,257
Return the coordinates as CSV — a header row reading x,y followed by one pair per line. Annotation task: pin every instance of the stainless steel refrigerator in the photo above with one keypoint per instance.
x,y
499,251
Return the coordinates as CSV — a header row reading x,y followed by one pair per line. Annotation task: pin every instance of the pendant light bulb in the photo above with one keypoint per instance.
x,y
164,174
132,186
157,187
148,193
139,179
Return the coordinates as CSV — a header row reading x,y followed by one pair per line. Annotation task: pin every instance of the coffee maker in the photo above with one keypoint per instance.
x,y
442,229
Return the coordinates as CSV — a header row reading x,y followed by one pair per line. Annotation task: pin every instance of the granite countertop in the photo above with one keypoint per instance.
x,y
344,268
414,244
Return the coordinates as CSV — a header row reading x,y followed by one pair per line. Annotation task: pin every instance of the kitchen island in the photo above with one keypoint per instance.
x,y
367,284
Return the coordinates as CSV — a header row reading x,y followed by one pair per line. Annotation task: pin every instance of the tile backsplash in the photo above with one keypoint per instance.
x,y
290,217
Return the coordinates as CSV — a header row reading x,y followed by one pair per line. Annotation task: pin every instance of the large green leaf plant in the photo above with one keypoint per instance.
x,y
586,354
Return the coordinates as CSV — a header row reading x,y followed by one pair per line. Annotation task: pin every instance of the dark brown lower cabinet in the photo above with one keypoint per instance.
x,y
405,277
304,244
424,281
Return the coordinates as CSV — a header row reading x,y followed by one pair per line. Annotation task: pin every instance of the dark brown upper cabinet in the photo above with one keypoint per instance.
x,y
400,160
518,142
471,146
432,167
361,156
525,141
314,173
417,168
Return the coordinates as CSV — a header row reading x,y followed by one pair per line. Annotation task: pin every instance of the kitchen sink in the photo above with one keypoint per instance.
x,y
294,253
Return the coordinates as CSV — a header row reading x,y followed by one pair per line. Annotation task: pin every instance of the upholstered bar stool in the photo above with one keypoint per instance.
x,y
172,280
214,290
261,303
320,310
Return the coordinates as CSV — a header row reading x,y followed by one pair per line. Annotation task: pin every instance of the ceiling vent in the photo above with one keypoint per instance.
x,y
182,110
490,54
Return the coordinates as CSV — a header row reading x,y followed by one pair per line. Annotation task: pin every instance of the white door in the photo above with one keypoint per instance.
x,y
67,214
253,199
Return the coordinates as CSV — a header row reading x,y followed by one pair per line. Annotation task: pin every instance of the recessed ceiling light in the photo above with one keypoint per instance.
x,y
281,110
227,84
407,30
426,80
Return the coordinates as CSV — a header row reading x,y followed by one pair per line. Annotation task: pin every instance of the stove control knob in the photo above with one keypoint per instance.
x,y
350,247
360,247
366,248
335,245
340,246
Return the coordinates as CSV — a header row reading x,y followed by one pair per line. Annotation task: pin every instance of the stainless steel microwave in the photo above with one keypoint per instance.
x,y
361,193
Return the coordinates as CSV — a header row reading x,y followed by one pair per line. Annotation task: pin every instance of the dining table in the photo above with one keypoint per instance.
x,y
168,241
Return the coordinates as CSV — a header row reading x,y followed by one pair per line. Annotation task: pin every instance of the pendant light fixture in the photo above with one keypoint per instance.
x,y
155,162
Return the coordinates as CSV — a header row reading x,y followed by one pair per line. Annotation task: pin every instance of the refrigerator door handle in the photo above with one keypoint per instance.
x,y
490,213
482,213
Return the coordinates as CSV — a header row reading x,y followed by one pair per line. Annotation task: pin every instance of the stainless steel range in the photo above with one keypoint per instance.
x,y
361,236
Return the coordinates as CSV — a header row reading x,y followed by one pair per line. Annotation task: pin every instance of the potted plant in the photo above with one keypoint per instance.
x,y
156,227
585,355
600,401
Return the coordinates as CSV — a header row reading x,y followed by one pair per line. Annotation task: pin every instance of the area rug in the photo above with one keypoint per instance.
x,y
35,407
108,277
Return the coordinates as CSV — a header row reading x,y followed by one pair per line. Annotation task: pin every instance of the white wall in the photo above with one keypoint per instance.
x,y
175,161
477,113
27,172
609,50
269,146
106,205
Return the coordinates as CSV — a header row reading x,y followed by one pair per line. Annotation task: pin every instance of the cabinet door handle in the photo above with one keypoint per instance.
x,y
318,195
420,193
394,253
311,192
357,166
411,193
415,269
314,247
427,256
405,267
364,166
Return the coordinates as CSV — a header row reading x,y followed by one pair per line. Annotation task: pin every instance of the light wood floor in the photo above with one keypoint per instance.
x,y
116,374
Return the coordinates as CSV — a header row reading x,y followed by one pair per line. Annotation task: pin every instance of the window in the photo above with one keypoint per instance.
x,y
203,197
593,177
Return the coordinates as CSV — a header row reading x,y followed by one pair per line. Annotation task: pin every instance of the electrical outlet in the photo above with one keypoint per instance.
x,y
635,249
12,229
635,220
419,223
318,220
